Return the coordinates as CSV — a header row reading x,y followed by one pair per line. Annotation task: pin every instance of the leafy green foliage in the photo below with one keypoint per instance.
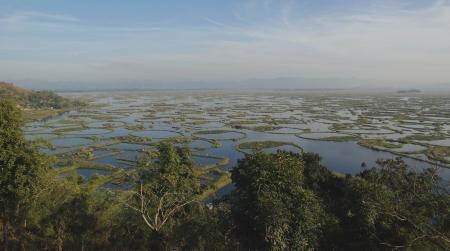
x,y
166,187
205,229
21,169
389,206
404,208
271,207
71,223
46,99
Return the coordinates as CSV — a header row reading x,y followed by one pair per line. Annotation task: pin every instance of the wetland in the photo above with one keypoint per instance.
x,y
349,131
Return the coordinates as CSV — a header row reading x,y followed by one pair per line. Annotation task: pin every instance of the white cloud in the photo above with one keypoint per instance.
x,y
387,44
381,42
35,16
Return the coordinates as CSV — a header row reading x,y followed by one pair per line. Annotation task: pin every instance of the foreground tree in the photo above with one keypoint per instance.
x,y
404,208
71,223
167,185
21,170
271,207
387,207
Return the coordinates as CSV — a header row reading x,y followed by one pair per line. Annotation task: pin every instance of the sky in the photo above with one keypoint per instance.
x,y
216,42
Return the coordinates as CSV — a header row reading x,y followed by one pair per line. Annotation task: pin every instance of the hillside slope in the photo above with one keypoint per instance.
x,y
35,99
37,105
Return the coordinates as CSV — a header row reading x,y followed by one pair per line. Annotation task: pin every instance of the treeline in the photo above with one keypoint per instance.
x,y
35,99
282,201
49,99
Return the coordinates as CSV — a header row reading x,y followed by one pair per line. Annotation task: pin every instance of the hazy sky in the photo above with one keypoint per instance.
x,y
215,40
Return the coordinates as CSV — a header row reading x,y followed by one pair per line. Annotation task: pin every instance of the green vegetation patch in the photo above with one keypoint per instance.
x,y
264,128
341,138
223,180
379,143
131,139
258,145
214,131
40,114
177,140
63,130
439,153
421,137
138,127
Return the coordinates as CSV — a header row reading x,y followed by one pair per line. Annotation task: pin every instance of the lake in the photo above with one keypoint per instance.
x,y
118,127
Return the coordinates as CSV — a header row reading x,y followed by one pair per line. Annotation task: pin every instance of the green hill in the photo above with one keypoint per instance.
x,y
37,104
29,99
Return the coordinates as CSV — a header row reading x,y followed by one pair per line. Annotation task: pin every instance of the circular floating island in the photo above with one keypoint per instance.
x,y
269,146
329,136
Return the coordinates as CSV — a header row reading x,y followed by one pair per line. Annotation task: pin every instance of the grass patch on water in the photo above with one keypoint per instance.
x,y
439,153
379,143
259,145
131,139
213,131
223,180
41,114
341,138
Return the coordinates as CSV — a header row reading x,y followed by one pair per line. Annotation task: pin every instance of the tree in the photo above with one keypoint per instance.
x,y
21,169
166,186
206,228
406,209
317,177
271,207
388,207
71,223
